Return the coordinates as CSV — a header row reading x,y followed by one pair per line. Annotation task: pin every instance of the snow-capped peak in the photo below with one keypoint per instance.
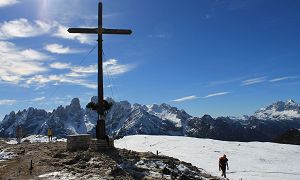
x,y
290,101
166,112
279,110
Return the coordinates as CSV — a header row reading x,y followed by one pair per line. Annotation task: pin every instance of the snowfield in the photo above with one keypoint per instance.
x,y
35,139
247,160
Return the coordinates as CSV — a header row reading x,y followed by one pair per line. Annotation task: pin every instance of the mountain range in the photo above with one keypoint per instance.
x,y
124,119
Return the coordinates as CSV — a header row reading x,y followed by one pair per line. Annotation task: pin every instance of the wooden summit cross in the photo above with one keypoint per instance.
x,y
100,127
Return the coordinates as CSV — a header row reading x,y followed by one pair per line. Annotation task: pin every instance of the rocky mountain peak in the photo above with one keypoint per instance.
x,y
94,99
290,101
75,103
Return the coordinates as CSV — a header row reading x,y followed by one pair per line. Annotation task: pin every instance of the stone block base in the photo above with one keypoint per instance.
x,y
83,142
101,144
78,142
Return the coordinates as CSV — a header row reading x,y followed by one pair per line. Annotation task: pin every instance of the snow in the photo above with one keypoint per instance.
x,y
36,139
247,160
163,113
273,114
4,155
62,175
279,111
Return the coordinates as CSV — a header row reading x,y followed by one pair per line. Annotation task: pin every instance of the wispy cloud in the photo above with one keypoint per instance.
x,y
226,81
187,98
77,75
216,94
38,99
60,49
253,81
16,63
7,101
59,65
85,69
4,3
283,78
112,67
42,80
22,28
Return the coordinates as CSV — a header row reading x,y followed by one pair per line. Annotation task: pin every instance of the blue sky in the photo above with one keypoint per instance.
x,y
214,57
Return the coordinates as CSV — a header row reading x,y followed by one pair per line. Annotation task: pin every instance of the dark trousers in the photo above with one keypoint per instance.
x,y
223,171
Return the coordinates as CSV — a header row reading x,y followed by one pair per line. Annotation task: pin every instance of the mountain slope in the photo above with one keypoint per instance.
x,y
128,119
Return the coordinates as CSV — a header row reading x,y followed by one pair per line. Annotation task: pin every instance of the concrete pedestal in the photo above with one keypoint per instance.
x,y
101,144
83,142
78,142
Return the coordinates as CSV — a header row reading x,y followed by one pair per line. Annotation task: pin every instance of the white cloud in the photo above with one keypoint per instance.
x,y
216,94
112,67
187,98
38,99
253,81
283,78
4,3
7,101
60,49
22,28
78,74
16,63
59,65
26,67
85,69
62,32
42,80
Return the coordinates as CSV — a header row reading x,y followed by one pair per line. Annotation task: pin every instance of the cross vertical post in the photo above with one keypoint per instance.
x,y
100,127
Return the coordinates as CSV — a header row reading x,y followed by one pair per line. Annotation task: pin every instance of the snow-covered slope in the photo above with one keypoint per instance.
x,y
279,111
249,161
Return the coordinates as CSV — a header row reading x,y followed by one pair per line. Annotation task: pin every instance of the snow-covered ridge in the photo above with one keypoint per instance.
x,y
279,111
125,118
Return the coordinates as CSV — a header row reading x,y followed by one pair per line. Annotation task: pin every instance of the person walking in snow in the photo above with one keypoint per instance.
x,y
50,134
223,162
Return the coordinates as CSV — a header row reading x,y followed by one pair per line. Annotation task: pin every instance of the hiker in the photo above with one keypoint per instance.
x,y
19,134
50,134
223,162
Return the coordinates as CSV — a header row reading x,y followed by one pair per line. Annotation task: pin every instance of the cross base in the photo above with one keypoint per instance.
x,y
84,142
100,129
99,145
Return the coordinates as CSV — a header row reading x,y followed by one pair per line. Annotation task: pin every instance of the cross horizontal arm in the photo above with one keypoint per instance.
x,y
104,31
83,30
116,31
